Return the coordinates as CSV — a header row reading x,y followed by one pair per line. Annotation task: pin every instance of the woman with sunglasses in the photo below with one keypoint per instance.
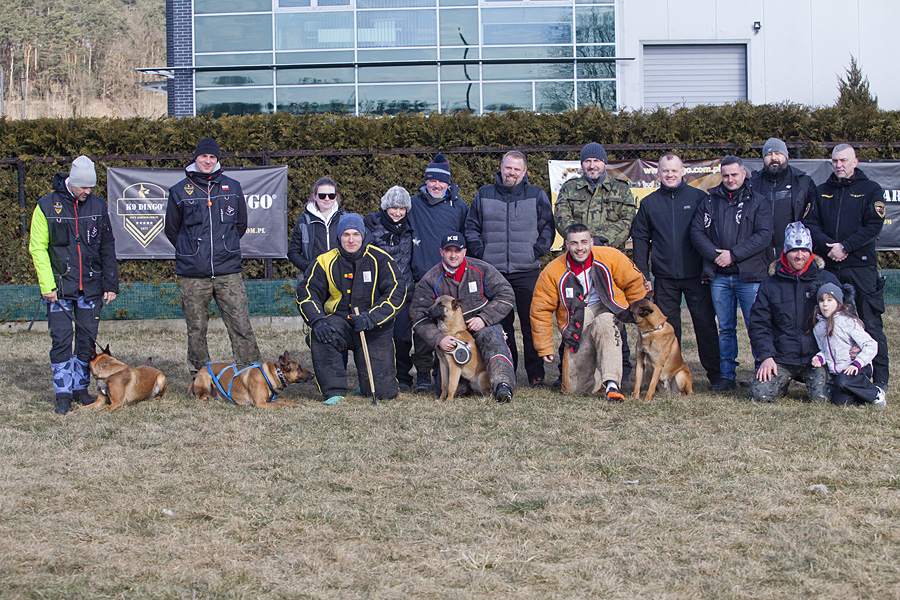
x,y
316,230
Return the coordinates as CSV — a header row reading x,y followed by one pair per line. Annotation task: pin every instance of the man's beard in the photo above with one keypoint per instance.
x,y
775,168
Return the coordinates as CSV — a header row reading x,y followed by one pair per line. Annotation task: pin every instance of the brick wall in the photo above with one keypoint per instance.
x,y
179,53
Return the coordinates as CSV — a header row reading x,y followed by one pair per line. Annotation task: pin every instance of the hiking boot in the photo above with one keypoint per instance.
x,y
722,385
503,394
880,397
63,404
82,397
423,384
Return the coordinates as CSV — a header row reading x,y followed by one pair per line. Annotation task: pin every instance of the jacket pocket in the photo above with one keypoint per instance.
x,y
59,232
193,212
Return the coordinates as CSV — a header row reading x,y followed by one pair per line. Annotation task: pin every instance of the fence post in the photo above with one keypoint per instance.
x,y
269,270
20,167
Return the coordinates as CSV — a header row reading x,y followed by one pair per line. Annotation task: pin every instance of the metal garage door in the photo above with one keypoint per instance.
x,y
692,74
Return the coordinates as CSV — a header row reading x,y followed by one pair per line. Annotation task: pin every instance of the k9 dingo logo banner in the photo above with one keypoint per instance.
x,y
137,199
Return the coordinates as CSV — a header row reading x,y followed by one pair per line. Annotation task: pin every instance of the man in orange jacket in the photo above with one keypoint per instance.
x,y
587,287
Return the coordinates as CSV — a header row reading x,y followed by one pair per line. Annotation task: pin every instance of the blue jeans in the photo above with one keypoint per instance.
x,y
727,292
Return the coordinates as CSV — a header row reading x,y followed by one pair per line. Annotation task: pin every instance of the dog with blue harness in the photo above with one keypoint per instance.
x,y
249,385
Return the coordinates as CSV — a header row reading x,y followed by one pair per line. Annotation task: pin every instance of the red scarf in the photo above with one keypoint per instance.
x,y
458,274
789,269
579,268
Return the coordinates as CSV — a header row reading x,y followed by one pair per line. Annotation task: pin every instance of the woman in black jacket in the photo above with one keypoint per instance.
x,y
390,230
316,230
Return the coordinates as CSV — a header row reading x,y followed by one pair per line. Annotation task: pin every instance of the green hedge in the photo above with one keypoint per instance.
x,y
363,178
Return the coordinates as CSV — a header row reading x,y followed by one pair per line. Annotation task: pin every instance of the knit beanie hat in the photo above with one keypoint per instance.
x,y
439,169
351,221
82,173
207,146
396,197
593,150
775,145
831,289
796,236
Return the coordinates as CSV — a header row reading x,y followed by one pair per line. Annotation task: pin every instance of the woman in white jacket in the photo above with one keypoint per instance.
x,y
837,332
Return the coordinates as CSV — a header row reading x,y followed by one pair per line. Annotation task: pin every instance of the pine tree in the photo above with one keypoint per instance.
x,y
857,106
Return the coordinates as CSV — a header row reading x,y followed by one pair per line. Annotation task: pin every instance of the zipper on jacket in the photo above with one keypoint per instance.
x,y
212,267
78,245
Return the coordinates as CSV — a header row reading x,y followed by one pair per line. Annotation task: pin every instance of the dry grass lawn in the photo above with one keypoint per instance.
x,y
548,497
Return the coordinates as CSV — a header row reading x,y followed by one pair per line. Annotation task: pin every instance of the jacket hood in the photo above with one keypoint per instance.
x,y
818,260
59,183
193,174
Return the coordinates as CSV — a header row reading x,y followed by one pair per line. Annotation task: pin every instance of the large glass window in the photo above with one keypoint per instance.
x,y
315,58
310,76
459,27
601,93
394,99
232,78
232,33
392,74
313,30
501,97
595,25
596,70
554,96
232,60
234,101
231,6
531,25
387,28
456,97
330,99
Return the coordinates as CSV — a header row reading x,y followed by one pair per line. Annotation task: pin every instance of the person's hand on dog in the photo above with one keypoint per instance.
x,y
475,324
324,332
767,369
361,322
448,343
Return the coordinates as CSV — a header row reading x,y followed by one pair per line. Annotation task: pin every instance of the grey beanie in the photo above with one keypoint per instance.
x,y
82,173
796,236
396,197
831,289
774,145
351,221
593,150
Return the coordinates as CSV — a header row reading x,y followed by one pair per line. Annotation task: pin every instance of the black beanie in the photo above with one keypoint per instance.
x,y
207,146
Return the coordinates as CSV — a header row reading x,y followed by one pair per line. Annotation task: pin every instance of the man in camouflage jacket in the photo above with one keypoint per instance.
x,y
597,200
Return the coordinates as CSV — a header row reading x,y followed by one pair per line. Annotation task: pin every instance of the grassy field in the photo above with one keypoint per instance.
x,y
548,497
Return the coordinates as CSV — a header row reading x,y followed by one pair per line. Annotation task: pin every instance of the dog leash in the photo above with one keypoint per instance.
x,y
227,394
77,324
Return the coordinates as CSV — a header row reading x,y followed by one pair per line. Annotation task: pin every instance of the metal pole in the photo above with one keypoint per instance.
x,y
20,166
2,94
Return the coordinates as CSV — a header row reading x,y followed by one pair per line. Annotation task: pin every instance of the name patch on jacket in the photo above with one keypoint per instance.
x,y
473,287
367,276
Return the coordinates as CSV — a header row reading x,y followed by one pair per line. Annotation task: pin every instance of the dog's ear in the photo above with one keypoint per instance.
x,y
454,304
625,316
106,351
149,361
286,355
645,311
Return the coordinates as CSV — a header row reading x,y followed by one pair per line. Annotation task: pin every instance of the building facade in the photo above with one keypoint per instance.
x,y
391,56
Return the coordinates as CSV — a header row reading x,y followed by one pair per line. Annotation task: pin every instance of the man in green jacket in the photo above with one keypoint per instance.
x,y
74,253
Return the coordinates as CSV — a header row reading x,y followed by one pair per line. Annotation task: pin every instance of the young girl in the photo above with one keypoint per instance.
x,y
838,330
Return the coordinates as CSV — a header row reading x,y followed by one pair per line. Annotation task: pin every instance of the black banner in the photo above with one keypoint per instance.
x,y
137,198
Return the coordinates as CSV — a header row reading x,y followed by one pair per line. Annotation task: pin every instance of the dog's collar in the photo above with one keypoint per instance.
x,y
281,377
652,330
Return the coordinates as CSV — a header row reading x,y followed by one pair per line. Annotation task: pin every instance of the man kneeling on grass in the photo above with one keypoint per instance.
x,y
355,275
586,287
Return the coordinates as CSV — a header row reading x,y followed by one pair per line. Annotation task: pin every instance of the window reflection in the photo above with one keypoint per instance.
x,y
501,97
395,99
232,33
232,78
234,101
300,100
601,93
378,28
540,25
313,30
554,96
457,97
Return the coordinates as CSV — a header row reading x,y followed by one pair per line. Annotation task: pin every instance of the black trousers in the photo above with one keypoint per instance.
x,y
523,288
403,344
331,372
853,389
870,306
699,302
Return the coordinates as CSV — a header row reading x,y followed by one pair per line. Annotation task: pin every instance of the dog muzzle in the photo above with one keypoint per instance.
x,y
462,354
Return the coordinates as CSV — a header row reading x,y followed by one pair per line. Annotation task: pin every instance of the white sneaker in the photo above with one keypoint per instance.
x,y
880,397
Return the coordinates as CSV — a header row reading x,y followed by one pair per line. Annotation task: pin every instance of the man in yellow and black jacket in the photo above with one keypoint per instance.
x,y
74,253
355,275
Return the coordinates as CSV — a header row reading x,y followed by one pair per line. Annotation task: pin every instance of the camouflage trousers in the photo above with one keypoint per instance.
x,y
231,299
815,378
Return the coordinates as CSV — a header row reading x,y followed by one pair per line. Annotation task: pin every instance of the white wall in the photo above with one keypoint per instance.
x,y
797,56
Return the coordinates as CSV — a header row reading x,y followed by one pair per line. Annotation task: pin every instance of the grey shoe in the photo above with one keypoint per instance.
x,y
880,398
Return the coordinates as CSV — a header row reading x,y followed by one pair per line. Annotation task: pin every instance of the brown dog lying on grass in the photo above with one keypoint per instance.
x,y
119,385
657,351
255,385
448,315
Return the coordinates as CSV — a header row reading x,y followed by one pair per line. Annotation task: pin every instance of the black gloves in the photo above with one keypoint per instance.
x,y
324,332
361,322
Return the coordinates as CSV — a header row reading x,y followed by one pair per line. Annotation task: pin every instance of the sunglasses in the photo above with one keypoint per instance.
x,y
329,196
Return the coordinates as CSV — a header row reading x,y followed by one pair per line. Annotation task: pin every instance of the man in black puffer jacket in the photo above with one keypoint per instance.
x,y
205,220
390,230
510,226
845,224
781,322
663,224
791,192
